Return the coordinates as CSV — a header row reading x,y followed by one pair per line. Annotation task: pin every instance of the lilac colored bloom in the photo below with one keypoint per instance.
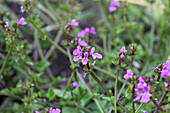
x,y
76,58
72,41
143,91
145,112
6,25
165,84
168,62
122,56
153,69
85,59
123,50
82,43
113,5
165,73
75,84
54,110
37,112
77,51
129,74
131,48
141,83
81,34
95,55
139,92
146,95
21,21
166,70
22,9
92,30
74,23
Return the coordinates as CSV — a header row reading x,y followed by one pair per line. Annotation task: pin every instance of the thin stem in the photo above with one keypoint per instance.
x,y
29,100
159,107
9,52
163,98
110,74
100,83
138,109
69,81
115,97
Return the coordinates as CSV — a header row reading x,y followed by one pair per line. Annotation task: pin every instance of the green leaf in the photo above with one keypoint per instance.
x,y
51,95
60,93
42,65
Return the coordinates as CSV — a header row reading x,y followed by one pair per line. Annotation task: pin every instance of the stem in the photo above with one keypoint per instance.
x,y
29,100
138,109
133,96
100,83
115,97
164,96
159,107
9,52
69,81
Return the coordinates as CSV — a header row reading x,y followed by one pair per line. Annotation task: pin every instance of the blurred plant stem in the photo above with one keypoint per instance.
x,y
6,59
115,90
138,109
29,100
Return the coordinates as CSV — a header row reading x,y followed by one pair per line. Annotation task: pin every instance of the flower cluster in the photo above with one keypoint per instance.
x,y
87,32
113,5
166,70
71,25
87,52
123,51
51,110
129,74
142,90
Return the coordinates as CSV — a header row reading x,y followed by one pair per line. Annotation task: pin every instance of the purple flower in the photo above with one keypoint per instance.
x,y
81,34
166,70
122,56
72,41
87,31
6,25
71,25
142,90
131,48
82,43
145,112
141,83
95,55
165,73
77,51
54,110
22,9
113,5
75,84
92,30
74,23
21,21
153,69
76,58
37,112
123,50
129,74
146,95
85,59
165,84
